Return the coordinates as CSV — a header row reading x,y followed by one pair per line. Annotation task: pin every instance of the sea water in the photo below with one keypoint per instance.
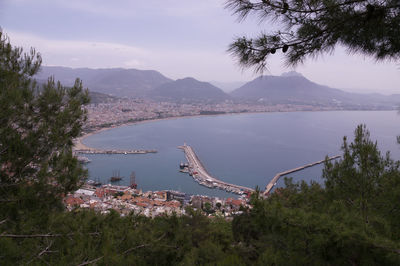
x,y
244,149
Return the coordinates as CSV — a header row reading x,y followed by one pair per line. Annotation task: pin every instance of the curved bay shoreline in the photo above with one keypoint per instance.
x,y
79,145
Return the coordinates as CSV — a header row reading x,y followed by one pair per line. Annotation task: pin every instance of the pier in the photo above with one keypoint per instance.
x,y
272,183
98,151
199,173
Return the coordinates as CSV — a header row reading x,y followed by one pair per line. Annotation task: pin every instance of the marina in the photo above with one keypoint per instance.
x,y
197,170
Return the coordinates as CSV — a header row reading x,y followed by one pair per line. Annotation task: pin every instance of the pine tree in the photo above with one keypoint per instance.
x,y
37,126
310,27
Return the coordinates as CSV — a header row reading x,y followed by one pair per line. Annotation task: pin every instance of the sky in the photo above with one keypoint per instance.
x,y
179,38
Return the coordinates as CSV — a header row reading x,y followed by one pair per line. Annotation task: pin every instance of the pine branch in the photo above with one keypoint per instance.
x,y
46,250
123,253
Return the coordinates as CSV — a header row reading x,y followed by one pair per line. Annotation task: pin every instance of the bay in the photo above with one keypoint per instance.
x,y
244,149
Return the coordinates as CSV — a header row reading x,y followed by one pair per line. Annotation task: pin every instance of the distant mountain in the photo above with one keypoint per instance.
x,y
228,86
293,88
188,90
291,74
114,81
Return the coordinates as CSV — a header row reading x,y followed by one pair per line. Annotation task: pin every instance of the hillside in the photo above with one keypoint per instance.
x,y
98,97
188,90
293,88
114,81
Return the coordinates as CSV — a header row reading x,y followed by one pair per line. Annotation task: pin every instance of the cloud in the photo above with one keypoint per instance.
x,y
135,8
132,63
175,63
79,53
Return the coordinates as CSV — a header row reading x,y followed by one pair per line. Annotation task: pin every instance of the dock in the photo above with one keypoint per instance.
x,y
99,151
197,170
272,183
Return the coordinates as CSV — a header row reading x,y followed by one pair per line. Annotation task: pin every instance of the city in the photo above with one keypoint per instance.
x,y
125,111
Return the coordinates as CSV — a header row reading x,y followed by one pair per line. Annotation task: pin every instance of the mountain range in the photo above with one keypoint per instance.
x,y
289,88
188,90
113,81
293,88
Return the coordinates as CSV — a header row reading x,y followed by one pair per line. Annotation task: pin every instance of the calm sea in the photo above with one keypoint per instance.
x,y
245,149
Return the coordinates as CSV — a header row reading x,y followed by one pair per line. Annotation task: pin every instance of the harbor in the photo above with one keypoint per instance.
x,y
196,169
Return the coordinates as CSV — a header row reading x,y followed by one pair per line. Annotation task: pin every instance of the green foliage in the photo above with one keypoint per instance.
x,y
310,27
37,126
84,236
352,220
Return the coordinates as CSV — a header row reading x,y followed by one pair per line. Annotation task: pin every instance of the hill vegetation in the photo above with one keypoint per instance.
x,y
97,97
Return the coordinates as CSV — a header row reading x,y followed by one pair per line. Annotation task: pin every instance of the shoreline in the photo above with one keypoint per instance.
x,y
79,145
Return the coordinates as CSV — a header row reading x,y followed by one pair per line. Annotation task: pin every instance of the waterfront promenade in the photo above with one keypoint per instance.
x,y
200,174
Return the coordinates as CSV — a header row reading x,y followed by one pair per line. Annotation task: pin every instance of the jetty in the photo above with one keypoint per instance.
x,y
197,170
99,151
272,183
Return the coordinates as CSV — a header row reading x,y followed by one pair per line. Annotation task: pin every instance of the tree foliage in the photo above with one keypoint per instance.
x,y
37,126
309,28
352,220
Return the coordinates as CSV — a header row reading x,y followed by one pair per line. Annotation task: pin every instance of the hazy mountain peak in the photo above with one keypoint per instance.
x,y
187,79
188,90
292,74
121,82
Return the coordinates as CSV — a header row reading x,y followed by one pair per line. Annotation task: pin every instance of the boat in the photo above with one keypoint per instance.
x,y
95,182
115,177
133,180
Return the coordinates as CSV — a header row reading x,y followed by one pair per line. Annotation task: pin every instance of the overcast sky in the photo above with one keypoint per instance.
x,y
179,38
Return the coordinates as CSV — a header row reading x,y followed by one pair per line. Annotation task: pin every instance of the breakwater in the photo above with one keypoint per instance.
x,y
197,170
273,181
98,151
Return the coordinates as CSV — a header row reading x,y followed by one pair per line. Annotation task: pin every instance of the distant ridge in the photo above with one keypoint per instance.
x,y
294,88
291,74
114,81
188,90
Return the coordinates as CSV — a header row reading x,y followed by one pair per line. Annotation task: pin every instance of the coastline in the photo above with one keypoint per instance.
x,y
79,145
